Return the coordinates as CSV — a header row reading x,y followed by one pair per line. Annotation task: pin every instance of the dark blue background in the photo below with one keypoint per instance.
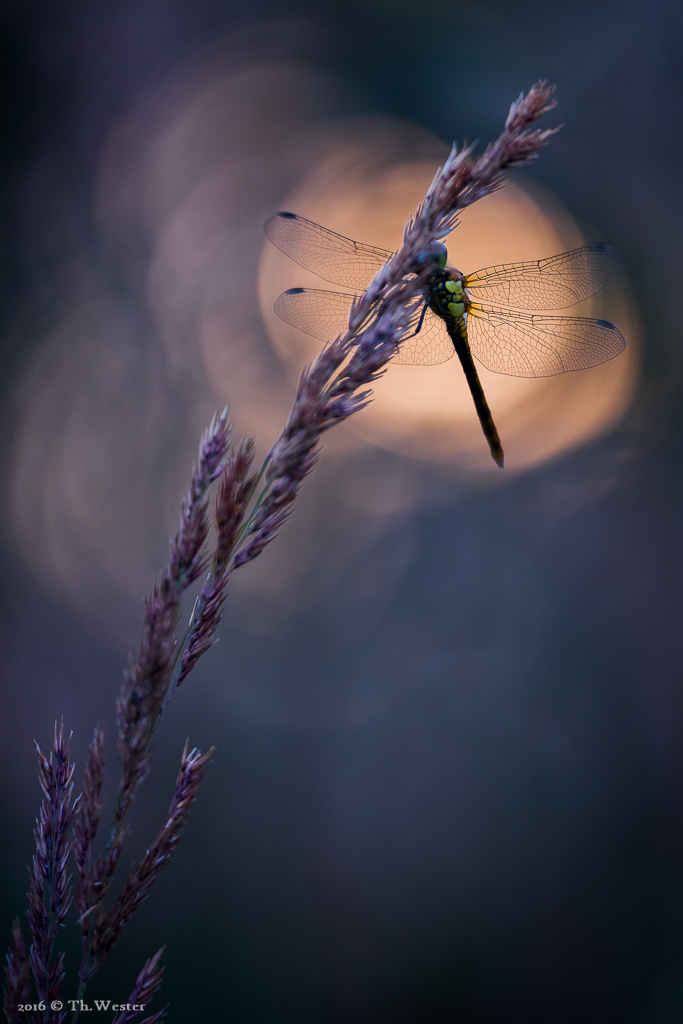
x,y
502,841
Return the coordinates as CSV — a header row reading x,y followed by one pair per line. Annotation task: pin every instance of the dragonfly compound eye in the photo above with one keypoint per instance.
x,y
437,253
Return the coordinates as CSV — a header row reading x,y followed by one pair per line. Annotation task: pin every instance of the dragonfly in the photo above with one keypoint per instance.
x,y
483,316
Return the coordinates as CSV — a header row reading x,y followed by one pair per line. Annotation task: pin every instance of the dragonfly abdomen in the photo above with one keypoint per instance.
x,y
458,335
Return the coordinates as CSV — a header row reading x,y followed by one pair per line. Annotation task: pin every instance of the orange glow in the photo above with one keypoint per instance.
x,y
117,391
427,412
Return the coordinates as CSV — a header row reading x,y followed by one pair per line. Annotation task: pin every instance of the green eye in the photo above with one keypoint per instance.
x,y
439,253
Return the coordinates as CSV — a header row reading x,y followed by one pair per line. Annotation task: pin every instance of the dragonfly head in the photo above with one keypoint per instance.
x,y
435,255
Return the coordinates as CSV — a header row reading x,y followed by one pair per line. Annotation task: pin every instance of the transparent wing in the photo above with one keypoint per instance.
x,y
325,315
524,345
327,254
554,283
431,345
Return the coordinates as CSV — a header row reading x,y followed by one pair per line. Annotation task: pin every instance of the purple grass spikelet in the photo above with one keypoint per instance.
x,y
87,821
138,885
146,985
145,688
17,988
50,895
236,490
150,670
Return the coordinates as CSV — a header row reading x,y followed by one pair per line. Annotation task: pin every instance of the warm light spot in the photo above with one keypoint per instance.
x,y
144,347
427,411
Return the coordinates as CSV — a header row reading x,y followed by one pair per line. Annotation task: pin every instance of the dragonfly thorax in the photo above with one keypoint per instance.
x,y
447,295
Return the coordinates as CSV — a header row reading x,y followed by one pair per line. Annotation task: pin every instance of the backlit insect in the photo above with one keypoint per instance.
x,y
456,316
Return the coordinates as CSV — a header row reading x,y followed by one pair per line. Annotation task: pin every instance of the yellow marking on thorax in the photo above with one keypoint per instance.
x,y
457,306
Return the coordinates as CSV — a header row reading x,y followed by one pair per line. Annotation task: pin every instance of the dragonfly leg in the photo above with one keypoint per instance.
x,y
421,321
462,348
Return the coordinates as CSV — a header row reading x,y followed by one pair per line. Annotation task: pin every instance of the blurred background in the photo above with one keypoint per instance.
x,y
447,700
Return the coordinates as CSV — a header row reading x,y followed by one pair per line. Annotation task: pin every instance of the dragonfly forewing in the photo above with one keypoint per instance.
x,y
331,256
554,283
